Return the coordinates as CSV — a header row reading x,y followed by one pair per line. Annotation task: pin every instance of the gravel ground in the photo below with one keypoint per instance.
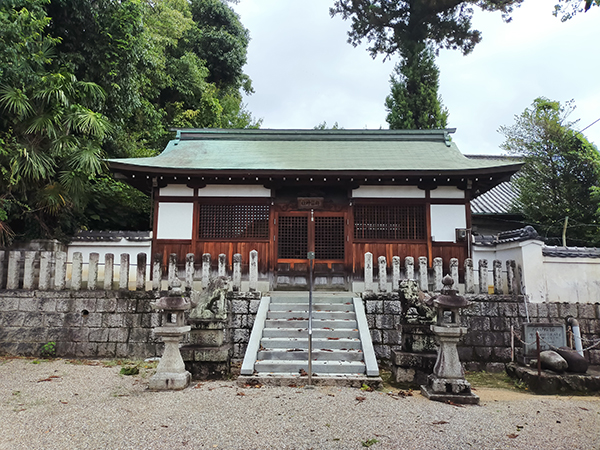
x,y
60,405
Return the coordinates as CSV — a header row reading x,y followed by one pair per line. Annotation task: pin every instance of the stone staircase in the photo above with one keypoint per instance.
x,y
341,342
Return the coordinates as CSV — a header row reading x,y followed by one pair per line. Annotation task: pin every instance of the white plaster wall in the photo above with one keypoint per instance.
x,y
444,221
571,280
116,248
176,190
447,192
235,190
388,192
175,220
546,279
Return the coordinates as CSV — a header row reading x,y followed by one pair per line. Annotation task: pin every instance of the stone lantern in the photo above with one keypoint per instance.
x,y
447,382
171,373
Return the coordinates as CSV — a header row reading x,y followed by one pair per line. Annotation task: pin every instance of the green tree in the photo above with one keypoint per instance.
x,y
51,137
414,102
413,30
561,172
566,9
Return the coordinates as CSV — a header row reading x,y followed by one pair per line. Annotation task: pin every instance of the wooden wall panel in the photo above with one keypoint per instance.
x,y
215,249
389,250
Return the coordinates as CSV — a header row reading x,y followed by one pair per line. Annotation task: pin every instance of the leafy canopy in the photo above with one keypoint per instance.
x,y
414,103
561,174
82,80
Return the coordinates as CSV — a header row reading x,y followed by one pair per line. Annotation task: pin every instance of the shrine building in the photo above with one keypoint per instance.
x,y
337,193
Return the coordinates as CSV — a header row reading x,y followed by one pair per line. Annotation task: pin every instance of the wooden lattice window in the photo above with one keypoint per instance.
x,y
393,222
238,221
329,237
293,237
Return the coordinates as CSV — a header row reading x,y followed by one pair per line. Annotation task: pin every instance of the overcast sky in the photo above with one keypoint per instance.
x,y
304,72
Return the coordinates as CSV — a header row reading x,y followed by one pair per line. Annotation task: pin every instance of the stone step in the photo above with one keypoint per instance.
x,y
356,380
321,306
303,298
332,334
316,323
317,315
318,367
297,354
318,343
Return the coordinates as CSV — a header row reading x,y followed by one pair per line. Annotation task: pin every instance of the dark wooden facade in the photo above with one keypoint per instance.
x,y
321,224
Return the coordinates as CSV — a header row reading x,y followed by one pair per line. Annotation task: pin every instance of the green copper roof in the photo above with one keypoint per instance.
x,y
339,151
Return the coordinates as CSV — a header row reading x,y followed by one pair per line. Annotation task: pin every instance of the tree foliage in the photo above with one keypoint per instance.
x,y
390,26
566,9
414,102
414,30
561,174
81,80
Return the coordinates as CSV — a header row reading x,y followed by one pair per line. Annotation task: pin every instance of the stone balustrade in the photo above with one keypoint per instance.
x,y
31,270
504,280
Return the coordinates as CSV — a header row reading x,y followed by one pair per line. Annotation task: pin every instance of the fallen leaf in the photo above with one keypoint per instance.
x,y
360,399
439,422
450,402
512,435
241,394
302,372
198,386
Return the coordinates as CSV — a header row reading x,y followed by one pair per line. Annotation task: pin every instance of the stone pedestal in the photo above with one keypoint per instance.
x,y
207,356
171,373
447,383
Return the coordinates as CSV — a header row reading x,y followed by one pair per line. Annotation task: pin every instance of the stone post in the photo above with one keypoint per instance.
x,y
189,271
253,270
222,265
2,256
381,261
438,274
76,271
60,271
172,270
124,272
395,273
45,270
29,271
469,277
237,272
483,276
205,270
423,279
497,265
368,271
14,260
93,271
511,266
454,271
140,279
109,271
156,272
409,267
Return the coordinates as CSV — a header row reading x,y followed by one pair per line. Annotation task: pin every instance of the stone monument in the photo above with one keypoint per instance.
x,y
447,382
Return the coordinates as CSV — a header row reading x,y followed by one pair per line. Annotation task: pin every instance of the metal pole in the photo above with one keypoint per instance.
x,y
539,361
310,284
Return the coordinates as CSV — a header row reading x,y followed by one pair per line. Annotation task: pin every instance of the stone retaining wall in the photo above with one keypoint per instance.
x,y
101,324
487,344
91,324
118,324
